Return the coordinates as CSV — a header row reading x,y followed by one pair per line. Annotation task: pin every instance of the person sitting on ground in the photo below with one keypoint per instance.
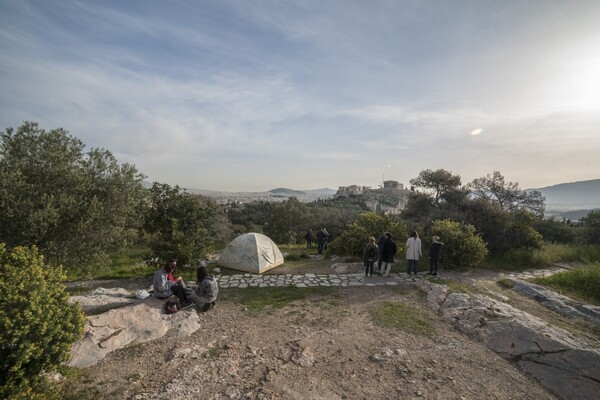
x,y
165,285
207,290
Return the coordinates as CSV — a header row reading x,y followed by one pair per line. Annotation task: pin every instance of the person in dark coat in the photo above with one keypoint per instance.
x,y
388,253
321,238
380,247
309,238
434,255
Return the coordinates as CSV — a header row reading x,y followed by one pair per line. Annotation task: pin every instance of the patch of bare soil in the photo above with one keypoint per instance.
x,y
326,347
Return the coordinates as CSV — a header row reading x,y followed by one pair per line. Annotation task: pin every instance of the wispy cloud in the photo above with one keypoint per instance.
x,y
311,93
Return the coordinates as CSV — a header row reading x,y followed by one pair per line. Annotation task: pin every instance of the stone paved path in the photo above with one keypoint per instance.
x,y
345,280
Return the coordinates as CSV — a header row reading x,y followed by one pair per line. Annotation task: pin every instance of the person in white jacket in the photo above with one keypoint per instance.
x,y
413,252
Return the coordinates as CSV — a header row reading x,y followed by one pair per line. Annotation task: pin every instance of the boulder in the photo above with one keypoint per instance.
x,y
129,325
565,364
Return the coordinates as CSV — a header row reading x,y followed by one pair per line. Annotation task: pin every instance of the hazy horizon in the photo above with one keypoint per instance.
x,y
249,96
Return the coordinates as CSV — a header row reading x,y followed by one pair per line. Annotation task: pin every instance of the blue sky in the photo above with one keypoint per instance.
x,y
251,95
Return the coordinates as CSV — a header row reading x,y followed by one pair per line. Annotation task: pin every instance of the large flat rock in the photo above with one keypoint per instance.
x,y
129,325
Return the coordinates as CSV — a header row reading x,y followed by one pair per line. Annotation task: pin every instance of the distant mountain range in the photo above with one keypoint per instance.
x,y
572,200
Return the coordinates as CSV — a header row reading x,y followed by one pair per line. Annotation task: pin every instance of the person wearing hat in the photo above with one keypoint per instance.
x,y
434,255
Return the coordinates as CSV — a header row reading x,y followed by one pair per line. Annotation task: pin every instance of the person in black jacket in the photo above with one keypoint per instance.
x,y
434,255
388,253
380,247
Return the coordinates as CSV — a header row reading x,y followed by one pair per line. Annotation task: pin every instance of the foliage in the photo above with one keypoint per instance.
x,y
581,283
507,194
287,221
522,233
591,228
75,207
181,225
463,247
37,322
401,317
555,231
252,216
356,235
440,183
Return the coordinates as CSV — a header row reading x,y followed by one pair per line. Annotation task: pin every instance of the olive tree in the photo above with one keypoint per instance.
x,y
287,220
181,225
507,194
75,206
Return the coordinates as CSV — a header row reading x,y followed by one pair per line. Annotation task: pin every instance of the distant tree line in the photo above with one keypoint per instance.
x,y
80,208
486,216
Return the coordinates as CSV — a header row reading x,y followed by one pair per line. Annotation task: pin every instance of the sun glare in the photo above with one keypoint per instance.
x,y
476,132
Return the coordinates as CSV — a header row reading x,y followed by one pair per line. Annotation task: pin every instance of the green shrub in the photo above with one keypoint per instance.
x,y
463,247
353,239
37,323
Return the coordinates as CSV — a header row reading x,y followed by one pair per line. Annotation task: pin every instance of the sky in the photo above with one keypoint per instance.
x,y
248,95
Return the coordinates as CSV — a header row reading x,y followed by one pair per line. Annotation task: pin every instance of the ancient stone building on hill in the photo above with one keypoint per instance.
x,y
389,199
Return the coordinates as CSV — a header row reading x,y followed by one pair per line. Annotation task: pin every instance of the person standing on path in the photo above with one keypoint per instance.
x,y
321,240
413,252
434,255
370,254
380,246
388,253
308,237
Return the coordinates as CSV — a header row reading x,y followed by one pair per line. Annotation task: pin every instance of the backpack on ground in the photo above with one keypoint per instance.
x,y
171,307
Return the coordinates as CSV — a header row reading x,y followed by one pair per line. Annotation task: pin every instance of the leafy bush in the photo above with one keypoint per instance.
x,y
463,247
591,228
37,323
181,225
555,231
356,235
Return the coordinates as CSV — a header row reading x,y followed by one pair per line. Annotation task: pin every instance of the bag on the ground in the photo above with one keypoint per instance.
x,y
171,307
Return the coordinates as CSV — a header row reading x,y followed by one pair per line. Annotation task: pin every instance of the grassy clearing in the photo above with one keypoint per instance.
x,y
401,317
129,264
258,299
520,259
579,283
455,287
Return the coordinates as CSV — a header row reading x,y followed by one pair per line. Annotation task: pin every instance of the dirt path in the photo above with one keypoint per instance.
x,y
327,347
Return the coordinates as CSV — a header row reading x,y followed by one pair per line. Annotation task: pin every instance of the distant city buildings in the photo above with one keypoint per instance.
x,y
389,199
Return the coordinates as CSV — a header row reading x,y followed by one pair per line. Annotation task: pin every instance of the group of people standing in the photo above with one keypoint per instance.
x,y
385,249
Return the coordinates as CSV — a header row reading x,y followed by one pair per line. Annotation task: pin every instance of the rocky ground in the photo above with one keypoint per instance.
x,y
321,348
